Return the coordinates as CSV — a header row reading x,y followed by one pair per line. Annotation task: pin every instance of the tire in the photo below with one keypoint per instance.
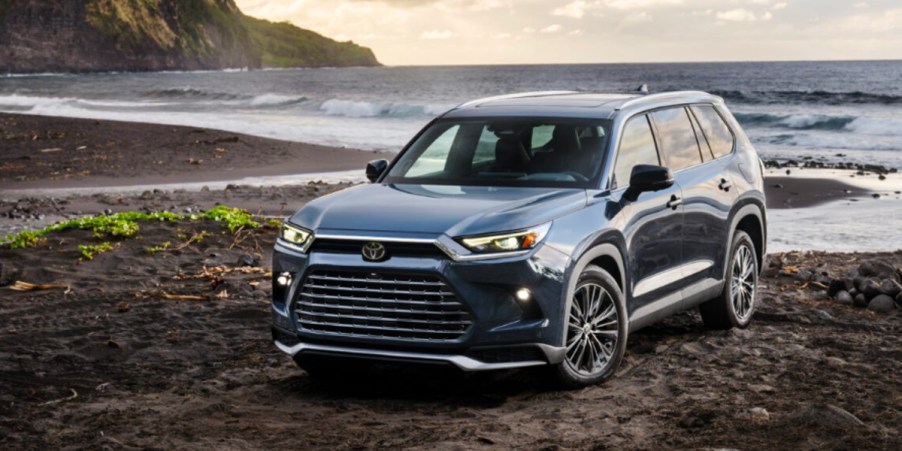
x,y
736,304
595,331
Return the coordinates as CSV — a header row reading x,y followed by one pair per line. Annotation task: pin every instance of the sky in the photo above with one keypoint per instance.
x,y
460,32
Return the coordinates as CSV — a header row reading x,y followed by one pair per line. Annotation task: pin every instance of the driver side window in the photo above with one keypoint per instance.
x,y
637,146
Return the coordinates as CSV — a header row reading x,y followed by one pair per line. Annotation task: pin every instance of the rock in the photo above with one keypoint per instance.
x,y
823,314
844,298
860,301
826,415
877,268
778,185
803,275
857,281
837,285
231,187
890,287
759,414
899,300
246,260
881,304
854,292
870,289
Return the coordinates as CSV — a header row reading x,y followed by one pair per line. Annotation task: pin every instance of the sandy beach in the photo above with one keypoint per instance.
x,y
134,342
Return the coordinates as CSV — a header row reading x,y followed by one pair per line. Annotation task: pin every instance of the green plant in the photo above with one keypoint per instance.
x,y
154,249
88,251
234,218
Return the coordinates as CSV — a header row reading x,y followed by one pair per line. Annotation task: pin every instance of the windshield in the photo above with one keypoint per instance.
x,y
509,152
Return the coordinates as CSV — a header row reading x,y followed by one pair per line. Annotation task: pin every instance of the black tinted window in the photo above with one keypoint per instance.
x,y
679,148
716,131
637,146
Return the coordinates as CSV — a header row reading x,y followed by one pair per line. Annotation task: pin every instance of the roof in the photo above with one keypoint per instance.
x,y
574,104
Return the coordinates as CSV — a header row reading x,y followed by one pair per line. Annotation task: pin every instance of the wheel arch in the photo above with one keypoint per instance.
x,y
751,218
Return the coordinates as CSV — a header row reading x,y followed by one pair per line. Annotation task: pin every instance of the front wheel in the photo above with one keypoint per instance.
x,y
596,330
736,304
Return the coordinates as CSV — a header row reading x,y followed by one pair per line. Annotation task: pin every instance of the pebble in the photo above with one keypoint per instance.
x,y
860,300
881,304
870,289
835,362
778,186
844,298
837,285
759,414
899,300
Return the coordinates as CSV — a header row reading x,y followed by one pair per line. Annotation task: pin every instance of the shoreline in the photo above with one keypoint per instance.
x,y
124,166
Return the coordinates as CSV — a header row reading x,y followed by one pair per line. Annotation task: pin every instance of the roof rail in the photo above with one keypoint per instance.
x,y
660,95
514,96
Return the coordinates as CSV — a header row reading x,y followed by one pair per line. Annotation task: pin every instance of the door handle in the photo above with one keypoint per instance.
x,y
675,201
725,185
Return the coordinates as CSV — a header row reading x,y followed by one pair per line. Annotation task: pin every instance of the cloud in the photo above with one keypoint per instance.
x,y
639,4
575,9
437,34
741,15
554,28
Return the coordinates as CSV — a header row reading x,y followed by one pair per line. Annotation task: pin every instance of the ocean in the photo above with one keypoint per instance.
x,y
825,111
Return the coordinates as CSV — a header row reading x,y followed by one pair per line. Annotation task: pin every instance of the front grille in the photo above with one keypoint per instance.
x,y
392,249
368,304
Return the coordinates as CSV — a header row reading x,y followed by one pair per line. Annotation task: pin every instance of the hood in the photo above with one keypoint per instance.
x,y
436,209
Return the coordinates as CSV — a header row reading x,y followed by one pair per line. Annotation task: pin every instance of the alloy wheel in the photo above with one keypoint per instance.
x,y
593,329
743,283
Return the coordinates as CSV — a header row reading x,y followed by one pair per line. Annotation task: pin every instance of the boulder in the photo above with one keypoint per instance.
x,y
890,287
826,415
877,268
871,289
837,285
844,298
881,304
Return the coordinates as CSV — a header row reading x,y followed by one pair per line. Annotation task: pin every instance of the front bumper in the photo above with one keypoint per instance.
x,y
504,332
466,363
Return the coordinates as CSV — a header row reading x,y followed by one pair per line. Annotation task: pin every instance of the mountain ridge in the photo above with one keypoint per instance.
x,y
153,35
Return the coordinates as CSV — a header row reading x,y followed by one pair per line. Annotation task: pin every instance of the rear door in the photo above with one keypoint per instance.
x,y
706,191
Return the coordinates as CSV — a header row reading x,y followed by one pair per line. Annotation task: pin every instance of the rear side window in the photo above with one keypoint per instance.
x,y
637,146
719,136
678,144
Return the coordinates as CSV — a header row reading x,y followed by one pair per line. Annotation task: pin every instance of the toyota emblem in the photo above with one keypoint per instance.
x,y
373,251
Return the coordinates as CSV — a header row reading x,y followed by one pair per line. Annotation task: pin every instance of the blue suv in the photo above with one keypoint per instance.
x,y
530,229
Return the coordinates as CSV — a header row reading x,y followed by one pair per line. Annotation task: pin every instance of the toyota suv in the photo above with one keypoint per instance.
x,y
526,230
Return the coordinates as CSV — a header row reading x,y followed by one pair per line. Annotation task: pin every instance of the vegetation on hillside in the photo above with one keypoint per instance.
x,y
285,45
195,27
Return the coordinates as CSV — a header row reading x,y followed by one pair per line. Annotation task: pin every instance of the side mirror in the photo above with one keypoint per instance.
x,y
375,168
647,177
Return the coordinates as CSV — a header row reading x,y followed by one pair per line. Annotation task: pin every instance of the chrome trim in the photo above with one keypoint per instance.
x,y
463,362
664,278
376,238
445,243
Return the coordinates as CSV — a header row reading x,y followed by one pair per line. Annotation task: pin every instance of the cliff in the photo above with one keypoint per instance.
x,y
148,35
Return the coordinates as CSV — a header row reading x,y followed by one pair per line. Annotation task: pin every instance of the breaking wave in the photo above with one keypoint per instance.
x,y
350,108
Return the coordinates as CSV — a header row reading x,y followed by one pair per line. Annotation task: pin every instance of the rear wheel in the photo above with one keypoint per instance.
x,y
736,304
596,333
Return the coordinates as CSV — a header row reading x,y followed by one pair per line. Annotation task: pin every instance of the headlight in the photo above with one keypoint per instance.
x,y
296,237
507,242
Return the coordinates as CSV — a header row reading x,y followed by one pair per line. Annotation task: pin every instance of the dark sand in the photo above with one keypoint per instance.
x,y
52,152
111,363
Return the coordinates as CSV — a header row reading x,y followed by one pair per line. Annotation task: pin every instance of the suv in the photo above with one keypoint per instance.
x,y
530,229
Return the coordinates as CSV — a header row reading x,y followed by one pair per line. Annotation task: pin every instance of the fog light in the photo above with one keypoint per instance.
x,y
284,279
523,295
